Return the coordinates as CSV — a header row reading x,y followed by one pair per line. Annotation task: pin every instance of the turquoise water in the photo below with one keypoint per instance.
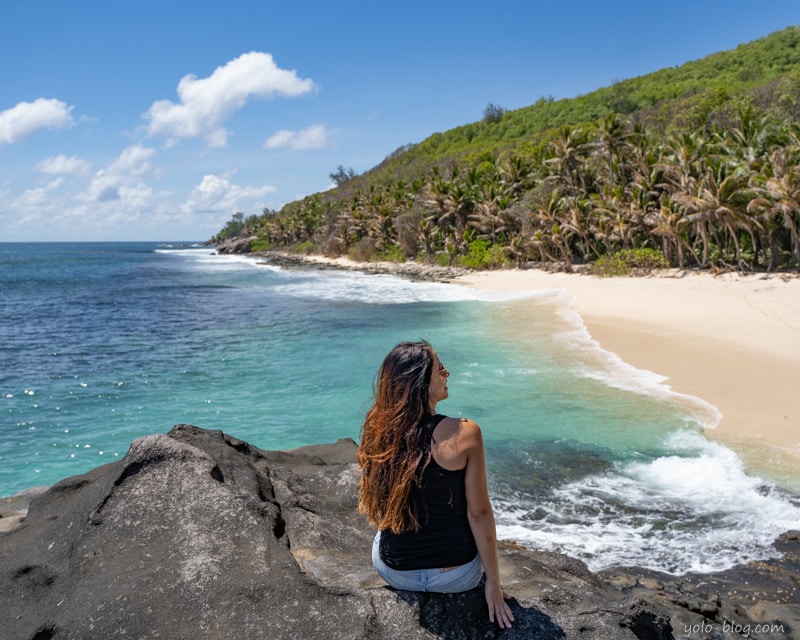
x,y
104,343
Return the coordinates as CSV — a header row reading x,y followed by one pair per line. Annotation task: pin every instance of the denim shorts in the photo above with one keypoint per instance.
x,y
455,580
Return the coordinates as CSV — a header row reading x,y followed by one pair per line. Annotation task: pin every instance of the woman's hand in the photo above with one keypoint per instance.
x,y
498,607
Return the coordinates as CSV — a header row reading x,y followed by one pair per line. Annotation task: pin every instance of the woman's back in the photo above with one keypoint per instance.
x,y
444,537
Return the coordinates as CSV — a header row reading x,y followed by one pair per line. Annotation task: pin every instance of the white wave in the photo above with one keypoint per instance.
x,y
355,286
695,510
207,259
609,368
345,286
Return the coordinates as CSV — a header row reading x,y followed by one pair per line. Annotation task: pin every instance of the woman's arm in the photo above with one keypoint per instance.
x,y
481,521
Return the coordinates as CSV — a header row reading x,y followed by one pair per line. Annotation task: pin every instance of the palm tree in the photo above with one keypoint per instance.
x,y
612,140
684,163
769,219
548,217
718,198
684,156
575,214
567,150
669,225
381,214
783,189
541,243
751,138
492,217
516,175
518,248
429,235
697,213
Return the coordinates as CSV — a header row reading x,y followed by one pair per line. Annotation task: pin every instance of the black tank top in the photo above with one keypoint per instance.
x,y
444,538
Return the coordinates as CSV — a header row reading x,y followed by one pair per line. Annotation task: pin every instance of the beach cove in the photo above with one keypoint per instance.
x,y
732,340
589,455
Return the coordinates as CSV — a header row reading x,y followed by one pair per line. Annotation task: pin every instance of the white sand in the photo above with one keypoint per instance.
x,y
731,340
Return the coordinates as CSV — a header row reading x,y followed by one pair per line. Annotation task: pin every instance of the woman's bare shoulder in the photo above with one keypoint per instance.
x,y
463,430
453,425
468,427
454,441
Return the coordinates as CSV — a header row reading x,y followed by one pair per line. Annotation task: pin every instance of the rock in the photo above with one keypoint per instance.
x,y
236,245
760,599
195,534
408,269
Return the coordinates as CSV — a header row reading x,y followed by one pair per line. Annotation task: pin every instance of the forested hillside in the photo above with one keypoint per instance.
x,y
695,166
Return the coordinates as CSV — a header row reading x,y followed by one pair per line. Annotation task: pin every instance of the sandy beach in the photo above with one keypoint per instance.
x,y
731,340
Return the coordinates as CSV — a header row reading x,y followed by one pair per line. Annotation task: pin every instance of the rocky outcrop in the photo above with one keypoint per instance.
x,y
236,245
757,600
408,269
195,534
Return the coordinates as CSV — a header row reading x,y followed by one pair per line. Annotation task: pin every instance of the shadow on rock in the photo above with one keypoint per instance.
x,y
462,616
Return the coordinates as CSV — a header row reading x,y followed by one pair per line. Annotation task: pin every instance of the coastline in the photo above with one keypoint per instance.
x,y
730,340
762,591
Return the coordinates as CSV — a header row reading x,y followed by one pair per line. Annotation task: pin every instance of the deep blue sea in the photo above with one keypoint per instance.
x,y
101,343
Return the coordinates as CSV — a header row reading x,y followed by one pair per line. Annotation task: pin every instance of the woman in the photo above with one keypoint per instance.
x,y
423,485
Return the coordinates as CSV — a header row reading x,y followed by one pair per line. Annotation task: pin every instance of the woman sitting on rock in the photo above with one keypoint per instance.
x,y
424,486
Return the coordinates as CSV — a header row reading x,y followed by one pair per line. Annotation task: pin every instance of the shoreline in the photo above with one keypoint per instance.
x,y
731,340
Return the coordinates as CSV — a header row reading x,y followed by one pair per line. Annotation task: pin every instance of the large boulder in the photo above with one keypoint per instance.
x,y
236,245
195,535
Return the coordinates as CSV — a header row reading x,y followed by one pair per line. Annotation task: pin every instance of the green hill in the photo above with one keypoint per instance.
x,y
689,166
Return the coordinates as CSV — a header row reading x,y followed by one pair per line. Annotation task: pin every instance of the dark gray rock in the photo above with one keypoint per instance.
x,y
236,245
408,269
759,600
195,534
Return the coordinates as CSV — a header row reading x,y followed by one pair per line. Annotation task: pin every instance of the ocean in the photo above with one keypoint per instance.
x,y
102,343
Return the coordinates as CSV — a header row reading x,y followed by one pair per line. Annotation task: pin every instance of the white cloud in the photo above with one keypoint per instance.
x,y
125,172
218,194
20,121
33,200
314,137
280,139
61,165
205,103
136,197
122,201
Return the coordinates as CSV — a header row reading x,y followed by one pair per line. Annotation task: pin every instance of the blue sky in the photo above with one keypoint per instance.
x,y
159,120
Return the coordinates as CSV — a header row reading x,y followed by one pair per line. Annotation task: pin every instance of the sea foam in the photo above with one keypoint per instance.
x,y
696,510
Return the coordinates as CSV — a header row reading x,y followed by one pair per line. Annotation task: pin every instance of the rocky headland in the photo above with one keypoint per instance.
x,y
408,269
195,534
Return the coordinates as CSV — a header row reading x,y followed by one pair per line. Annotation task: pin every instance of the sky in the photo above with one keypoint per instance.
x,y
158,120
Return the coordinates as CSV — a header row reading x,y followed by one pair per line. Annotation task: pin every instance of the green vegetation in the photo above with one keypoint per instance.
x,y
483,255
630,262
695,166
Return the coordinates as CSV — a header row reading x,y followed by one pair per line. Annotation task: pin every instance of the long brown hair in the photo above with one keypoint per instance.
x,y
393,453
